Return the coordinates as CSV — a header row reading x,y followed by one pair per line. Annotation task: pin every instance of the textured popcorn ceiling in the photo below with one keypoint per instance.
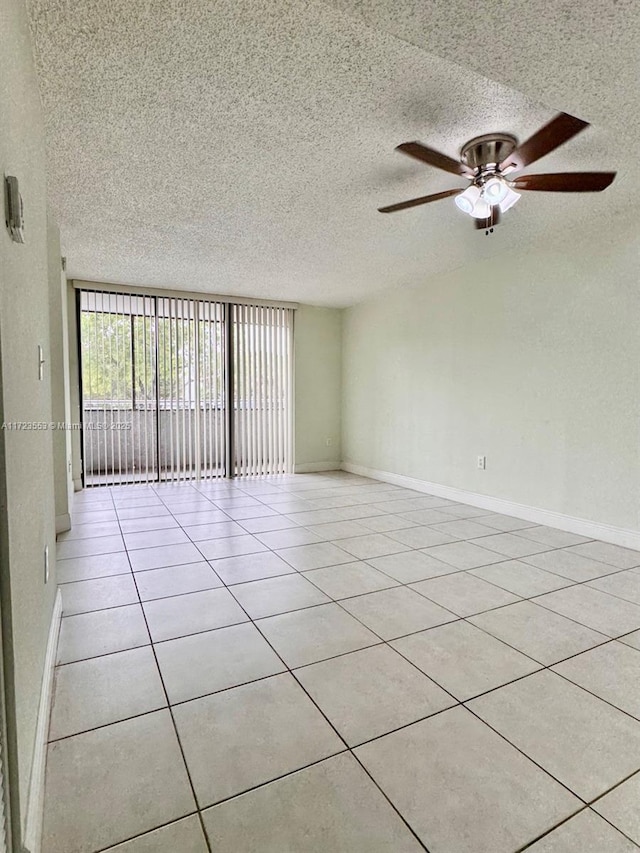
x,y
243,146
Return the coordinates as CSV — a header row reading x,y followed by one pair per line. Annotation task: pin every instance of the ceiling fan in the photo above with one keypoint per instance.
x,y
488,162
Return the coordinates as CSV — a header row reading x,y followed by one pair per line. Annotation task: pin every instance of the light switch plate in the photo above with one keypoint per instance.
x,y
13,207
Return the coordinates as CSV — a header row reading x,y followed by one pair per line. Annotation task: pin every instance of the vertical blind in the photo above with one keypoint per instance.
x,y
181,388
262,389
191,389
114,332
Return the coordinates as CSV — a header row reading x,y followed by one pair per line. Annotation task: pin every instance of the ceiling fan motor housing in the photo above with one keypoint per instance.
x,y
488,150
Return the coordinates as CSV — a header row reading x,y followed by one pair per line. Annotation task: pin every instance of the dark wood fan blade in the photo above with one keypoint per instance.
x,y
551,136
414,202
434,158
566,182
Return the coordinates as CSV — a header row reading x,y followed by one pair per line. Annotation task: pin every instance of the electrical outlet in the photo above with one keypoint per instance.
x,y
46,564
329,442
482,462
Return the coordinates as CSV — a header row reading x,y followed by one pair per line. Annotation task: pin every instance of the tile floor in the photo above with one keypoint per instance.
x,y
328,664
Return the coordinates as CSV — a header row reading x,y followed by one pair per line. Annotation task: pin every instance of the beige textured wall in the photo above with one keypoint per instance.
x,y
27,474
318,357
532,359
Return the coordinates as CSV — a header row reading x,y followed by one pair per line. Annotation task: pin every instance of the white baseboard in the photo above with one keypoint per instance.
x,y
63,523
582,526
314,467
33,822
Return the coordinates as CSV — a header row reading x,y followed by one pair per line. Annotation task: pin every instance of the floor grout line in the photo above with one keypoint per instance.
x,y
333,727
175,727
194,813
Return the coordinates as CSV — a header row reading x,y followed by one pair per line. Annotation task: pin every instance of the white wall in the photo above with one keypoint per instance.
x,y
27,514
318,360
531,359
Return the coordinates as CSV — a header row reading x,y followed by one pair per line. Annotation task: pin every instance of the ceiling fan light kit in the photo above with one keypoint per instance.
x,y
468,199
510,198
495,190
487,161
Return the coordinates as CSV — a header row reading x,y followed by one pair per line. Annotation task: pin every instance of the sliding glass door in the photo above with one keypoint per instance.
x,y
158,374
